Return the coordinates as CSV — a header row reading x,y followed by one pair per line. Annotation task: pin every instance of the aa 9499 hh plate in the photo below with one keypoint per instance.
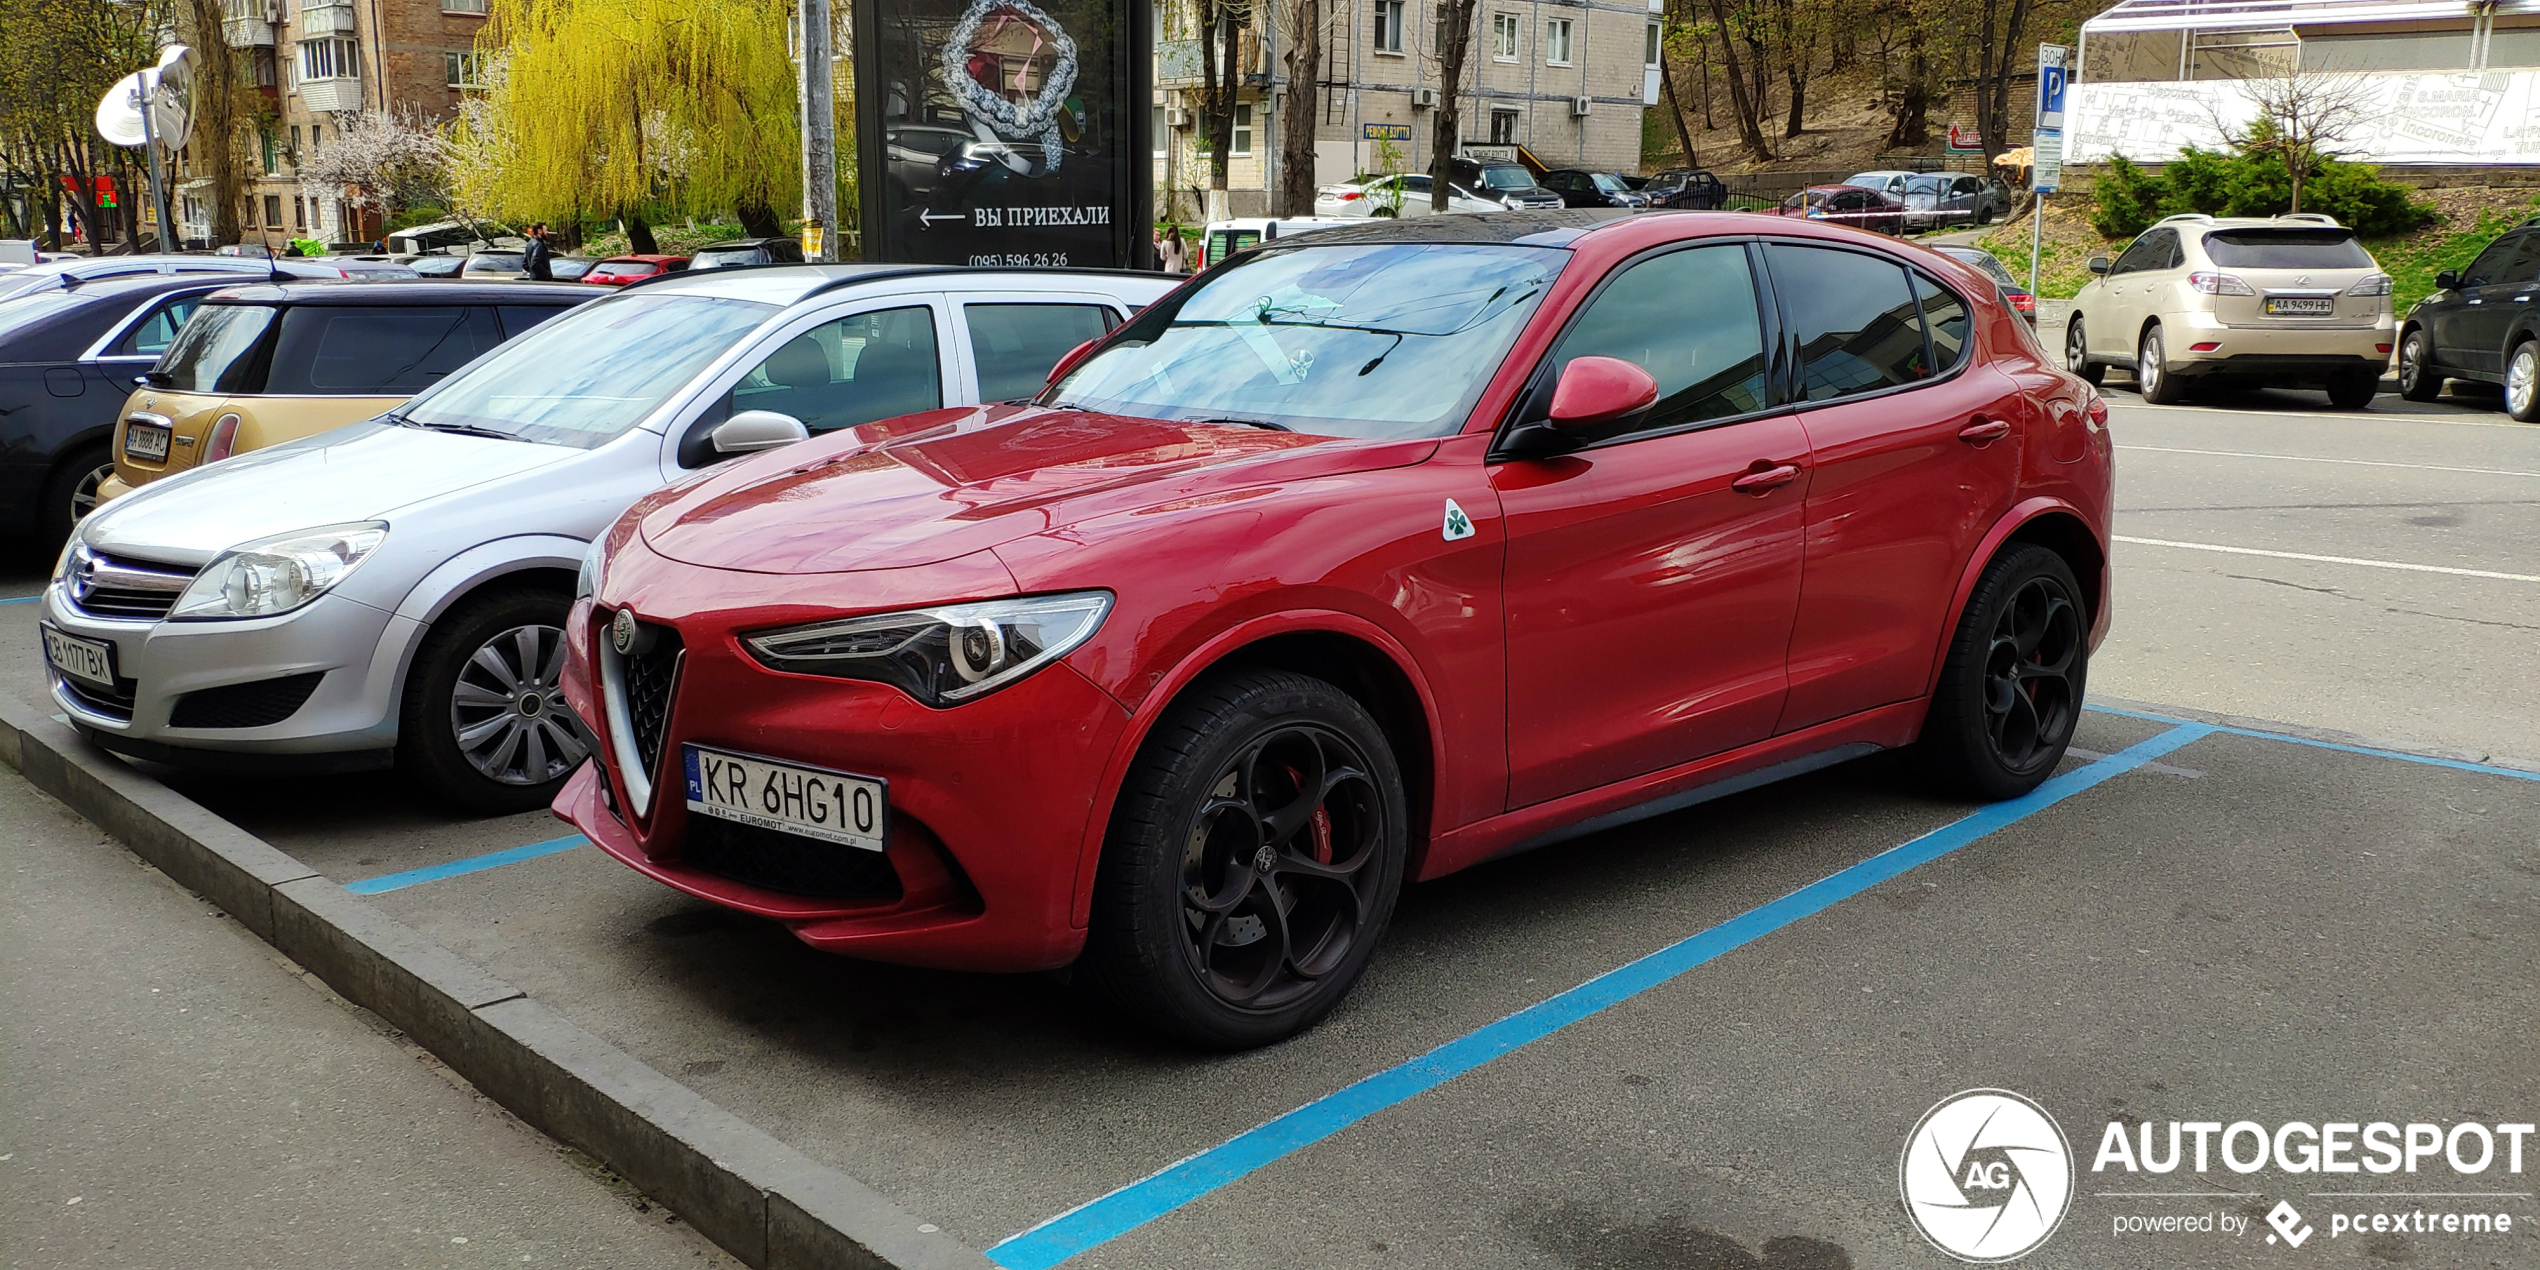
x,y
2301,306
835,807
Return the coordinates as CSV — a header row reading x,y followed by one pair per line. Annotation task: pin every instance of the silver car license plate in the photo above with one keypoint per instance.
x,y
86,659
835,807
2301,306
145,442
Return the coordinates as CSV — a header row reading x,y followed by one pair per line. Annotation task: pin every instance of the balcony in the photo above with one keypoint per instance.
x,y
325,19
1178,63
247,24
319,95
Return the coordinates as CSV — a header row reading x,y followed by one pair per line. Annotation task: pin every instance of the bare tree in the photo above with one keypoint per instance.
x,y
1302,32
1749,112
2000,24
1455,42
227,113
2301,117
1221,28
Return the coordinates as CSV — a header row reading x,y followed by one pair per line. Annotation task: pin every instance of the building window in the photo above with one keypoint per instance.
x,y
299,214
1649,49
1503,127
1556,42
1242,146
463,6
273,151
464,70
1389,26
1503,37
317,137
273,211
1158,133
330,58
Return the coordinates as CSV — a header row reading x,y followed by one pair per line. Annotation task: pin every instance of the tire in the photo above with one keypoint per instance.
x,y
2011,690
2419,380
477,731
71,491
2522,382
2077,354
2152,375
2353,390
1190,819
1386,213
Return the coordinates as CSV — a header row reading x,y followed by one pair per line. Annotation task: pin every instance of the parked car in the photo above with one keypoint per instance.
x,y
1510,183
77,271
493,266
1396,195
2480,325
748,251
437,266
1888,181
257,250
394,591
617,271
2013,293
571,268
1847,205
370,268
1224,238
1579,187
914,152
1687,189
259,365
1357,560
2276,301
67,358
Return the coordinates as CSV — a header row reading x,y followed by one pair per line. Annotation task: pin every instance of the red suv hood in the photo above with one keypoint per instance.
x,y
928,487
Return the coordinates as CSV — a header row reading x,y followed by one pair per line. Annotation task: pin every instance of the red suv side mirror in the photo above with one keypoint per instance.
x,y
1600,390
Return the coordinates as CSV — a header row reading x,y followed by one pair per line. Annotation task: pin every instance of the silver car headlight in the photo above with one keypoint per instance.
x,y
280,573
586,581
941,656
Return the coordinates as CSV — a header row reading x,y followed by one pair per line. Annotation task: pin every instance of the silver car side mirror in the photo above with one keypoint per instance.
x,y
756,430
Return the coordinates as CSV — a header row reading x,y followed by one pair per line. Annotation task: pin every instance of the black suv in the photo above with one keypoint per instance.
x,y
2480,324
1579,187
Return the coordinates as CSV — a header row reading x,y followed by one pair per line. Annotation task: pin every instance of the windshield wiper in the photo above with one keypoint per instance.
x,y
460,429
1249,423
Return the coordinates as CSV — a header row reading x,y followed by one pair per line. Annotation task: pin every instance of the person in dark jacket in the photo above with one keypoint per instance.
x,y
535,254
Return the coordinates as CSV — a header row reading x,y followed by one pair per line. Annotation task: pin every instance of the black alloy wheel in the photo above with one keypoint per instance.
x,y
2418,378
2077,354
1253,863
2010,694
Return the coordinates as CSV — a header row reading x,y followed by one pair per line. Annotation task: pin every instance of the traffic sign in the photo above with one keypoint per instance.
x,y
2053,79
2047,161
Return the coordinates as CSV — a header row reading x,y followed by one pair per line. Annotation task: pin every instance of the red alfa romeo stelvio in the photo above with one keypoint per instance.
x,y
1364,557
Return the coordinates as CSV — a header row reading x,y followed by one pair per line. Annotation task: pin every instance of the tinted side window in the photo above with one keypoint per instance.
x,y
2151,251
1707,356
1853,318
1015,345
1945,317
330,351
2493,265
155,332
518,318
851,371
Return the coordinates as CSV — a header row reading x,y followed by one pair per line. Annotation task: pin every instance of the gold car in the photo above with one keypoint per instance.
x,y
260,365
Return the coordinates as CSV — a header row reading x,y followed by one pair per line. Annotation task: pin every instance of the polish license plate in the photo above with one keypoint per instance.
x,y
145,442
816,803
80,658
2301,306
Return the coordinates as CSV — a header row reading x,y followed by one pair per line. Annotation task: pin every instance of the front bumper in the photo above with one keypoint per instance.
x,y
158,664
990,802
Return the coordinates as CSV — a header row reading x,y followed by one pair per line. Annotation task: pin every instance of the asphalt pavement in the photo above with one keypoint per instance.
x,y
2270,924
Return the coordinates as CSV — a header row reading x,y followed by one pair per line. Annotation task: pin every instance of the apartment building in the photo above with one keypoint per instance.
x,y
1564,79
317,63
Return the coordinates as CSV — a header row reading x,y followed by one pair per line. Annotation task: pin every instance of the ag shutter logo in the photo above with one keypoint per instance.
x,y
1986,1175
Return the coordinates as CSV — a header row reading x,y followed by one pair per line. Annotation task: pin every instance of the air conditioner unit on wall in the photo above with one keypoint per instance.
x,y
1581,106
1176,117
1424,98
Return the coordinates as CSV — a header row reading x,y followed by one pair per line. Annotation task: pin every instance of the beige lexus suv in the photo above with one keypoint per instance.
x,y
2277,302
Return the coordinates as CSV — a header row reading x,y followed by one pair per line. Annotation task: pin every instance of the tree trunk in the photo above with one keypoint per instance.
x,y
1220,48
1296,127
639,236
1913,104
1675,105
1795,59
2004,55
1705,46
1455,40
758,220
1750,129
218,118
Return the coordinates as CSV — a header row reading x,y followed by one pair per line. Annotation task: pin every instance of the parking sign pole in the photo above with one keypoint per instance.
x,y
2046,145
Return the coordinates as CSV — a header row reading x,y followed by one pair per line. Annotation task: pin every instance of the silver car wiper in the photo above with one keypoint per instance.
x,y
458,429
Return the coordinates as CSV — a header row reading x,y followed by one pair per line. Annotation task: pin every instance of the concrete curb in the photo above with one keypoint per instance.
x,y
765,1202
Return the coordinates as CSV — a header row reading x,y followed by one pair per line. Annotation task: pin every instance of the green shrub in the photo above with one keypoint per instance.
x,y
2357,196
2129,199
2199,181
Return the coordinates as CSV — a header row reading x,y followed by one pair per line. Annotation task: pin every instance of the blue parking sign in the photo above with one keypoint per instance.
x,y
2054,76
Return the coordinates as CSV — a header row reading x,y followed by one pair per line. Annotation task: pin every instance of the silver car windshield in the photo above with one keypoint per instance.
x,y
1372,340
592,374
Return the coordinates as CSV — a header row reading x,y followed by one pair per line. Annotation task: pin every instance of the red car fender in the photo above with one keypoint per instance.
x,y
2021,513
1198,662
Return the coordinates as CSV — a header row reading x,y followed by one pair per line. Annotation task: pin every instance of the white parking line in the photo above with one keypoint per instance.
x,y
2307,458
2297,555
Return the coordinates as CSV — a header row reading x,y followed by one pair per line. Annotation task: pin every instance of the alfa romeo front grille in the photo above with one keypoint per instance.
x,y
790,863
636,688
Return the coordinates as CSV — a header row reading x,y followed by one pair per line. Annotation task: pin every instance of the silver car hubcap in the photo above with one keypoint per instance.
x,y
510,720
2410,367
2075,360
2520,379
84,494
2147,368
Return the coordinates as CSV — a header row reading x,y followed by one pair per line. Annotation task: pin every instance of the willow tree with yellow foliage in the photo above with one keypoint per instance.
x,y
632,109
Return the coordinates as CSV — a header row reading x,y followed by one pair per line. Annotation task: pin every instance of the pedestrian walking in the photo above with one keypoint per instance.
x,y
535,254
1176,258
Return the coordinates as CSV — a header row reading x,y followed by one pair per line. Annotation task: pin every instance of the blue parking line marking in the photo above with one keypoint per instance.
x,y
472,864
2458,765
1102,1220
22,599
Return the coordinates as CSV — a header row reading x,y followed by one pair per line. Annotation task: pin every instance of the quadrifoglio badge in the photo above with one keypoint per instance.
x,y
1988,1176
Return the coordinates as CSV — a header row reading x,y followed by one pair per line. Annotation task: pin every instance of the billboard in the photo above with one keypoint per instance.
x,y
1005,132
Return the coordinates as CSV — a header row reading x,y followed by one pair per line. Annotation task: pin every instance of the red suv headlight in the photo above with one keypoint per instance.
x,y
941,656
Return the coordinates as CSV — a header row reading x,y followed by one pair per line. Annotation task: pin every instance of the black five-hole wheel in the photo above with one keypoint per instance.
x,y
1252,864
2011,690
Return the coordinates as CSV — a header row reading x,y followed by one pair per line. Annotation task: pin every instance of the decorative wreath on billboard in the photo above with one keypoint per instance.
x,y
974,77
